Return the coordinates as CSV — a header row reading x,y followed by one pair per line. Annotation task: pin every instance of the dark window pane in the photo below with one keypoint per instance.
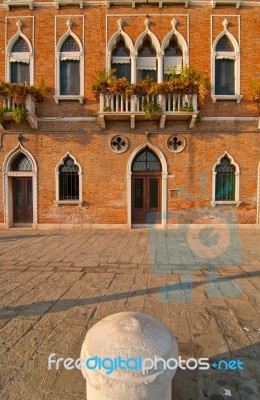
x,y
147,50
144,73
21,163
20,72
138,193
224,44
69,77
68,180
154,193
121,50
70,44
225,77
225,180
146,161
173,49
122,70
20,46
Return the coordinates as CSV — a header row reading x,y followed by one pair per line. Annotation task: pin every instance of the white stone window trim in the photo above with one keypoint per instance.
x,y
128,43
7,183
235,202
164,183
234,55
24,57
77,55
182,42
59,202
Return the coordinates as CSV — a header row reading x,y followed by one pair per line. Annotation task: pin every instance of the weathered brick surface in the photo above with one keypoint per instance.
x,y
104,172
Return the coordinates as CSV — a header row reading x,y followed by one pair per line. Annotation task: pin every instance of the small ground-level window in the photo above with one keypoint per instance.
x,y
68,180
225,180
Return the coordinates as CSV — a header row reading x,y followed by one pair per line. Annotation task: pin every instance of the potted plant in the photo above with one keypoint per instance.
x,y
101,81
151,109
19,114
256,89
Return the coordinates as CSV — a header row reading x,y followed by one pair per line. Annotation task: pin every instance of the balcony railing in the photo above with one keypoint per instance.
x,y
10,103
176,106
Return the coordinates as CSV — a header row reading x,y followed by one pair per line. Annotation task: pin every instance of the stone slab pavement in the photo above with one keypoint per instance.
x,y
55,285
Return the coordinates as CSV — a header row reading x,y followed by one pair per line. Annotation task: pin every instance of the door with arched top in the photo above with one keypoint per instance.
x,y
146,188
22,190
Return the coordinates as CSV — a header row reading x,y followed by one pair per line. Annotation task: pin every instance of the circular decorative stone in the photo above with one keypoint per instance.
x,y
119,143
176,143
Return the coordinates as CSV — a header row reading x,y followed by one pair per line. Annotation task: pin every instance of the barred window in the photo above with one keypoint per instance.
x,y
68,180
225,180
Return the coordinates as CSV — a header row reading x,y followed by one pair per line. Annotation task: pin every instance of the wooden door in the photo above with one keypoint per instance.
x,y
23,200
146,198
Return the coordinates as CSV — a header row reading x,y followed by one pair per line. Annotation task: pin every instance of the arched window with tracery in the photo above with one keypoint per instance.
x,y
146,161
121,61
146,61
173,58
225,180
68,180
21,163
70,67
20,62
224,67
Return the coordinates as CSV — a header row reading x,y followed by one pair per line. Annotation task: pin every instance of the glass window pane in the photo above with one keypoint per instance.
x,y
146,161
225,77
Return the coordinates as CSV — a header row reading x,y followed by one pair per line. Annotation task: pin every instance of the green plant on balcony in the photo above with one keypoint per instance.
x,y
151,109
101,81
19,114
186,108
107,109
3,110
255,86
19,91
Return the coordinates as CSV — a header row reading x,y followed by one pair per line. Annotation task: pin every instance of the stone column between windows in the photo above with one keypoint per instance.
x,y
160,55
133,66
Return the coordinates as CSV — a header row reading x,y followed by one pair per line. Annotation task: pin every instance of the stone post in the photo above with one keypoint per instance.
x,y
120,337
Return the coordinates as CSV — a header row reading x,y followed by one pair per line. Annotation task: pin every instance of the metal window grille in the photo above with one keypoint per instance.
x,y
20,46
70,44
224,44
68,180
225,180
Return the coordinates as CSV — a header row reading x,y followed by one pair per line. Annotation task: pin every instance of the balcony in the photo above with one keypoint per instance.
x,y
10,103
18,3
175,107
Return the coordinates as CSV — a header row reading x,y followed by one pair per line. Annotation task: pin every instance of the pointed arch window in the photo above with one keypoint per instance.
x,y
69,69
20,62
146,161
173,57
226,181
146,61
68,181
224,67
121,60
21,163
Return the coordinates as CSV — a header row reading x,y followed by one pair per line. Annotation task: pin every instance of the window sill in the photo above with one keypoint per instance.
x,y
222,97
68,98
226,203
69,203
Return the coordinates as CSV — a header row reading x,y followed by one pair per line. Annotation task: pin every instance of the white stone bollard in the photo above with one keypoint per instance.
x,y
129,334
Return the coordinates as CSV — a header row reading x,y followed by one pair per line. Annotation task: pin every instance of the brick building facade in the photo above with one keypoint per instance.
x,y
79,161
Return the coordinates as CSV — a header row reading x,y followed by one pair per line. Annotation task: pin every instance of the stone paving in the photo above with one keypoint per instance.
x,y
56,285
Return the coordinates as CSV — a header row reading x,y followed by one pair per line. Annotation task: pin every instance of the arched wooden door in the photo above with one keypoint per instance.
x,y
146,188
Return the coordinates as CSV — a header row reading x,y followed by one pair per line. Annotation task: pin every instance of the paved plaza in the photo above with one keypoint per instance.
x,y
55,285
